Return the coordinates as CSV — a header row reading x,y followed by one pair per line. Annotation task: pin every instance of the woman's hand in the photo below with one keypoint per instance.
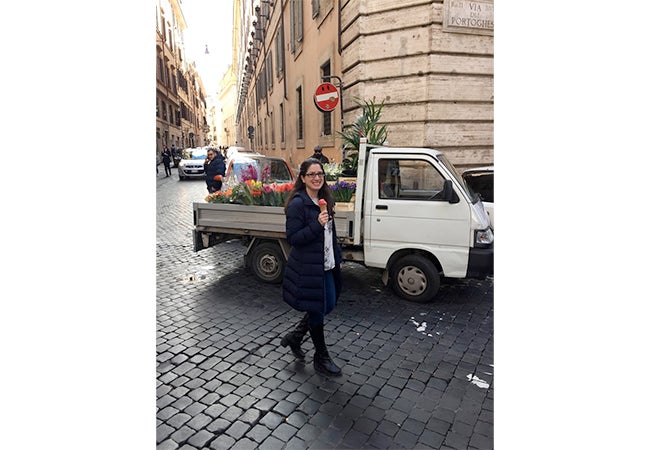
x,y
323,218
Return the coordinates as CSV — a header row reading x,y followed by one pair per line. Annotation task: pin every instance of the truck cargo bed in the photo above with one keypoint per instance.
x,y
240,219
261,221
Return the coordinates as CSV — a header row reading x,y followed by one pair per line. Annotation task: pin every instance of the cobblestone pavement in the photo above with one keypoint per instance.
x,y
414,376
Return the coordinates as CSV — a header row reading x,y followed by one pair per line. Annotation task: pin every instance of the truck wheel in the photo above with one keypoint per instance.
x,y
267,262
415,278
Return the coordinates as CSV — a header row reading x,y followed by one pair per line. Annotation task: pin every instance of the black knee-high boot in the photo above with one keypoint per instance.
x,y
322,361
294,338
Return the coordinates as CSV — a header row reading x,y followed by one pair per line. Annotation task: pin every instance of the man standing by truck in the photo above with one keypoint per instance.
x,y
318,154
215,169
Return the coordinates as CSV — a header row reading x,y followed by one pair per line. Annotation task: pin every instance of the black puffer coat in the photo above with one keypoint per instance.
x,y
212,168
303,283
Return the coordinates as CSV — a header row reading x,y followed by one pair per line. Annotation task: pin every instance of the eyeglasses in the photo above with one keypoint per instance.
x,y
315,174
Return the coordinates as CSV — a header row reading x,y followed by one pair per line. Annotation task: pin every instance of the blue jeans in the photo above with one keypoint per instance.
x,y
316,319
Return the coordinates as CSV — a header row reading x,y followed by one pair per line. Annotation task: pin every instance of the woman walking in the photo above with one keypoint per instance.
x,y
312,278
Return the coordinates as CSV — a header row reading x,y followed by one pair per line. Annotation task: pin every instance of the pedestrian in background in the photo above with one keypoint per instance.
x,y
312,277
167,160
318,154
215,169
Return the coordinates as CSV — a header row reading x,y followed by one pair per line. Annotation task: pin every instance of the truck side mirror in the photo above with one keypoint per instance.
x,y
448,193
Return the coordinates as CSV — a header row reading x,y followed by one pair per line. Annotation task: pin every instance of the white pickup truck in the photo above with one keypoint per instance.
x,y
413,217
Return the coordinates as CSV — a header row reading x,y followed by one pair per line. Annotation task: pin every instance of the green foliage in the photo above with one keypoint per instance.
x,y
366,125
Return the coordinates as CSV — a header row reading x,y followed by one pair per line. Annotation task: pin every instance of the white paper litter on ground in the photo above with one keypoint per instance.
x,y
477,381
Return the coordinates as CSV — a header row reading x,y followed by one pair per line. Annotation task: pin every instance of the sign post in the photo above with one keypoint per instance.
x,y
326,97
339,97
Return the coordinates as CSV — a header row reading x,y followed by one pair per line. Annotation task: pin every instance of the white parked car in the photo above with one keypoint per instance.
x,y
480,180
191,163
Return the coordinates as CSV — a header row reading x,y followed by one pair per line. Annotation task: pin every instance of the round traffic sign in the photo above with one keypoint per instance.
x,y
326,97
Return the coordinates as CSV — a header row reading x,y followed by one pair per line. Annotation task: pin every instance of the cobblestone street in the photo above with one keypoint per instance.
x,y
414,376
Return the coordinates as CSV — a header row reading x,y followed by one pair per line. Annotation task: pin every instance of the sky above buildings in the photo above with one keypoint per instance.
x,y
209,22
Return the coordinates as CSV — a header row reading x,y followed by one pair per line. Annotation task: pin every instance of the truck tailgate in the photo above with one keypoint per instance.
x,y
239,219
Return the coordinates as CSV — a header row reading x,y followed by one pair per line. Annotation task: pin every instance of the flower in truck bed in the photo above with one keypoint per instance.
x,y
218,197
252,192
342,190
248,173
332,171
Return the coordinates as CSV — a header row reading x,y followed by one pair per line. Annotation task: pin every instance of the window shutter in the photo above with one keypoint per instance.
x,y
293,26
299,22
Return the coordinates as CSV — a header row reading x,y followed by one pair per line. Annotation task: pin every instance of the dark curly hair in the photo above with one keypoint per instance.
x,y
324,192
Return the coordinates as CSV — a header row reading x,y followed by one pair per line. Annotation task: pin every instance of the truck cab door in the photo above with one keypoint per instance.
x,y
407,207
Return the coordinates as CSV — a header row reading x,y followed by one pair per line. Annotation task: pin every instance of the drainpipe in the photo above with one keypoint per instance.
x,y
339,19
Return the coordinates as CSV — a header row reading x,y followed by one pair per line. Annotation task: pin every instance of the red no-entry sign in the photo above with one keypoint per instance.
x,y
326,97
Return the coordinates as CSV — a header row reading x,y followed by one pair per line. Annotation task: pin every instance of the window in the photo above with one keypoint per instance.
x,y
272,129
408,179
315,8
296,24
164,28
282,123
481,182
269,71
300,130
161,70
262,82
182,81
164,110
327,116
279,53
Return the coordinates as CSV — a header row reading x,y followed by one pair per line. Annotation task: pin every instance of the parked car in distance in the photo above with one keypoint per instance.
x,y
191,163
480,180
267,169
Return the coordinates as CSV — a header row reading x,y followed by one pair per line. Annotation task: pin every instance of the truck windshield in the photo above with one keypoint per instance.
x,y
454,173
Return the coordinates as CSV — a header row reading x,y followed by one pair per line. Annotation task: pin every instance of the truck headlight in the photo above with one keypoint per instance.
x,y
483,238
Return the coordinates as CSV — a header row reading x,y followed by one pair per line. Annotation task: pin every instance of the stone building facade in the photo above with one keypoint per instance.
x,y
430,61
227,97
180,97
